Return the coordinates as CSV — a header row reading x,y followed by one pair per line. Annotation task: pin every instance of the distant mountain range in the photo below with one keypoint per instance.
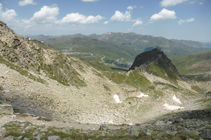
x,y
208,44
118,45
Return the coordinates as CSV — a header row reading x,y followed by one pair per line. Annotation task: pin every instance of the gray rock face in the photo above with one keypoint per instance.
x,y
103,127
39,137
206,133
134,130
54,138
6,108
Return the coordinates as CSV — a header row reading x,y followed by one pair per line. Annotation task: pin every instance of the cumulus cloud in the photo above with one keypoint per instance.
x,y
8,15
46,15
76,18
89,0
163,15
125,17
201,3
183,21
26,2
119,16
131,7
169,3
137,23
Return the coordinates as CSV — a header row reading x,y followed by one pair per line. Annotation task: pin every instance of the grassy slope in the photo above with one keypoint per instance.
x,y
139,43
96,47
120,45
193,64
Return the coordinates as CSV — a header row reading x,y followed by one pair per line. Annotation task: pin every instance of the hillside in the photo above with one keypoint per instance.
x,y
118,45
141,43
199,63
43,85
92,49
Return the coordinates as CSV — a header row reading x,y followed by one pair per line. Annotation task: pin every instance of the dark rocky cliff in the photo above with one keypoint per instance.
x,y
158,59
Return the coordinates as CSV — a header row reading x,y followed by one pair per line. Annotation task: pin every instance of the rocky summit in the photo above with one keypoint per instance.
x,y
155,57
45,94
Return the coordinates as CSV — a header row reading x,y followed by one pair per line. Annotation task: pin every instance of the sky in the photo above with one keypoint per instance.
x,y
172,19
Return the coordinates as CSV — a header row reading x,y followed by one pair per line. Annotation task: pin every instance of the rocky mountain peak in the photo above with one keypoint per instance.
x,y
156,57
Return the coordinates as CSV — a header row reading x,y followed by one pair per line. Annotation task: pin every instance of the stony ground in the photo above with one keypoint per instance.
x,y
191,125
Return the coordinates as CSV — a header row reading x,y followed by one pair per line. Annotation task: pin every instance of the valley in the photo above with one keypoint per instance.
x,y
73,91
118,45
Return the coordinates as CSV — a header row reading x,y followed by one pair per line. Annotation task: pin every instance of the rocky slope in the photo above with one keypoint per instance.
x,y
194,125
23,54
37,79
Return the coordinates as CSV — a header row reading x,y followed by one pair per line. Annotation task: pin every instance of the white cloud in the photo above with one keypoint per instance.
x,y
89,0
122,17
137,23
168,3
141,7
192,2
163,15
106,22
183,21
26,2
8,16
131,7
130,29
119,16
46,15
76,18
201,3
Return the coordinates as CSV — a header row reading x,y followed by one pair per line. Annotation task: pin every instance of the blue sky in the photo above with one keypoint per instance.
x,y
172,19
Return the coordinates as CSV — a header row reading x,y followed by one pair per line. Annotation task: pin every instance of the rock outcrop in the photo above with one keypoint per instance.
x,y
6,109
144,61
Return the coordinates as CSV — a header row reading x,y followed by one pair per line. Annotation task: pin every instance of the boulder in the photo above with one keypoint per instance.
x,y
54,138
206,133
103,127
134,130
6,109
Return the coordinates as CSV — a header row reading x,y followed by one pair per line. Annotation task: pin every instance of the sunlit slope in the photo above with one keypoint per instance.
x,y
193,64
119,45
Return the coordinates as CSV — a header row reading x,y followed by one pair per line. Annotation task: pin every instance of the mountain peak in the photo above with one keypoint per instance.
x,y
156,62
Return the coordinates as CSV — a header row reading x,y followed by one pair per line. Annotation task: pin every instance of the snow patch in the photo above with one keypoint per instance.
x,y
116,97
176,99
171,107
142,95
111,122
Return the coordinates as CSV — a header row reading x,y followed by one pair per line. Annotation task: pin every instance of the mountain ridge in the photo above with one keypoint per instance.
x,y
125,43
